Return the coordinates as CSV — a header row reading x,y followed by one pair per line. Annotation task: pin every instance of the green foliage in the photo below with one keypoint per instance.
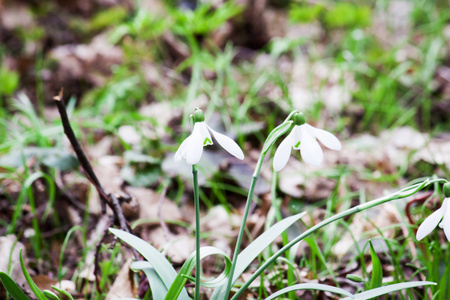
x,y
204,18
140,169
305,14
334,15
108,17
9,81
345,14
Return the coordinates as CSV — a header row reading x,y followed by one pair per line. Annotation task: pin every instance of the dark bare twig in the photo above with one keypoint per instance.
x,y
107,199
84,162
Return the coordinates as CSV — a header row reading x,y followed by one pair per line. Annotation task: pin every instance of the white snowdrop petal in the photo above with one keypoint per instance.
x,y
181,152
206,137
194,147
446,220
283,153
228,144
429,224
296,136
310,149
326,138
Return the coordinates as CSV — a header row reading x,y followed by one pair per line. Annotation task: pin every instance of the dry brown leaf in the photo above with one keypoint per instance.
x,y
10,254
148,202
123,286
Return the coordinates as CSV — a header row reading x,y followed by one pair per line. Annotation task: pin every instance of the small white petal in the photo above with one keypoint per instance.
x,y
297,137
283,152
429,224
194,148
206,137
228,144
310,148
446,220
181,152
326,138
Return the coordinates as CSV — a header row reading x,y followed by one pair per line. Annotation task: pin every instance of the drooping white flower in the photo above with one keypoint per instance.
x,y
443,213
303,137
192,147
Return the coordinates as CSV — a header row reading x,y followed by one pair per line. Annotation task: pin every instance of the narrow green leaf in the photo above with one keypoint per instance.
x,y
355,278
39,294
377,270
311,286
12,288
249,254
189,265
159,290
64,292
162,266
389,289
275,134
50,295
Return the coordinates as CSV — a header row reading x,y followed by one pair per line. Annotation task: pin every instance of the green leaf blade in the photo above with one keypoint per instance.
x,y
377,269
162,266
39,294
12,288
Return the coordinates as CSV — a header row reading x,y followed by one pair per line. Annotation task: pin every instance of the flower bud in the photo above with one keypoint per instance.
x,y
447,190
299,119
198,115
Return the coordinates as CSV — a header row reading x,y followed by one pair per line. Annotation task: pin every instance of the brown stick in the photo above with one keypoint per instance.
x,y
107,199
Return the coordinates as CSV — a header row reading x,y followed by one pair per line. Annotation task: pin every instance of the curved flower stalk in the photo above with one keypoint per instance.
x,y
443,213
192,147
303,137
191,150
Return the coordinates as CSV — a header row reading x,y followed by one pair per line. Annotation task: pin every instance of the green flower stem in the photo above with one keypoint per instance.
x,y
399,195
244,221
197,234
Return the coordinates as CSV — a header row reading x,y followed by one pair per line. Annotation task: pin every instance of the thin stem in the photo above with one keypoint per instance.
x,y
244,221
197,233
401,194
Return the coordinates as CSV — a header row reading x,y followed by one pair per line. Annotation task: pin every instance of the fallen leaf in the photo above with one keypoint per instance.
x,y
123,286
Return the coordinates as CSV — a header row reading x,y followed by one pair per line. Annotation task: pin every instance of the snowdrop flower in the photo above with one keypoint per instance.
x,y
192,147
443,213
303,137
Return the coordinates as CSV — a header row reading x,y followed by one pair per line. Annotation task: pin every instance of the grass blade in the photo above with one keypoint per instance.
x,y
377,270
39,294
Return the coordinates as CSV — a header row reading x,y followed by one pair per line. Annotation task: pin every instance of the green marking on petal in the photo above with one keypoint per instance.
x,y
297,145
207,142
